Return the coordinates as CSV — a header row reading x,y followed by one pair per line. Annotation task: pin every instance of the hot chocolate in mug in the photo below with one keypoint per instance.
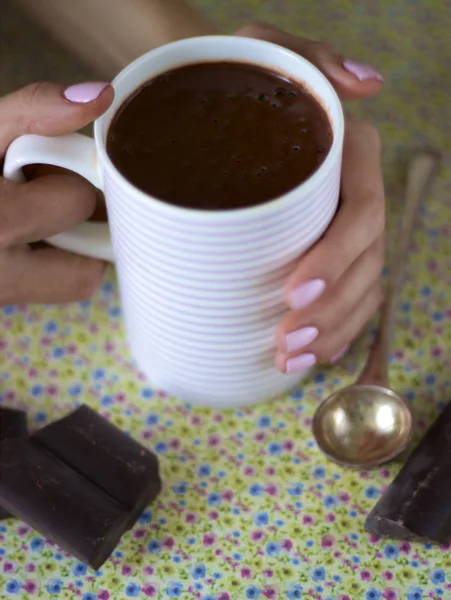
x,y
201,291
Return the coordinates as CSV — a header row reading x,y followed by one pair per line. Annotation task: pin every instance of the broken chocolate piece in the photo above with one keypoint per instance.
x,y
13,424
108,457
59,502
417,505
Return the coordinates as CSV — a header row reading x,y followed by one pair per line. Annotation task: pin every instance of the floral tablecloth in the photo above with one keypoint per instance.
x,y
250,507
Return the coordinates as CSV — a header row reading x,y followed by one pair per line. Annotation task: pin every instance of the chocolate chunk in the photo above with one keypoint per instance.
x,y
58,502
417,505
13,424
108,457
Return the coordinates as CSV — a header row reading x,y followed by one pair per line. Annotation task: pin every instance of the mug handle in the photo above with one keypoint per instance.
x,y
74,152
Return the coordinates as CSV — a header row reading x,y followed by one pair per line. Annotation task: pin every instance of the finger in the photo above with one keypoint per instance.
x,y
299,329
51,109
330,347
359,221
25,208
351,79
47,276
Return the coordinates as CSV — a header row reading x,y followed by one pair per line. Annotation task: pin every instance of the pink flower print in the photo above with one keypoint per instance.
x,y
8,567
22,530
227,495
249,471
10,395
271,489
149,590
30,568
120,397
436,351
213,515
218,418
327,541
405,547
174,444
139,533
344,497
269,592
196,420
389,594
270,471
71,349
29,586
256,536
387,575
385,473
214,440
331,518
32,373
52,390
366,575
168,543
148,570
246,573
103,595
307,520
190,517
109,347
260,437
223,596
364,475
126,570
286,545
288,445
209,539
268,573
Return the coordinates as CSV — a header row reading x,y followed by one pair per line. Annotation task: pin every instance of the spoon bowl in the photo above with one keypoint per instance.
x,y
363,425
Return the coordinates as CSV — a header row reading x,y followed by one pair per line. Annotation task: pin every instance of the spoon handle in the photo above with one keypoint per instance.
x,y
422,169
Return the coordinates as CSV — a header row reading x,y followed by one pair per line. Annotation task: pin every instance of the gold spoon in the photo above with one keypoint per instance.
x,y
367,423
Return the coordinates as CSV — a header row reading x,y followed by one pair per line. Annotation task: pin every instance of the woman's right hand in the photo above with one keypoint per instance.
x,y
47,204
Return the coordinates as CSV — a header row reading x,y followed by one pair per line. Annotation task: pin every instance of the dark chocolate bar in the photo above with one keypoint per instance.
x,y
59,502
13,424
108,457
417,505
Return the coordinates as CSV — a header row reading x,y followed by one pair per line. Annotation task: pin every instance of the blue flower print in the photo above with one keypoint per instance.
x,y
415,593
261,519
255,489
272,549
199,571
174,589
319,574
252,592
294,592
13,586
438,576
132,590
55,586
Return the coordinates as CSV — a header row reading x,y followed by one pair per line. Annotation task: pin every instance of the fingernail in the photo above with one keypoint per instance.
x,y
300,363
82,93
296,340
306,293
340,354
361,71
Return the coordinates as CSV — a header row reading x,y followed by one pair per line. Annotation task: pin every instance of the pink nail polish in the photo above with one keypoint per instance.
x,y
340,354
82,93
296,340
361,71
300,363
306,293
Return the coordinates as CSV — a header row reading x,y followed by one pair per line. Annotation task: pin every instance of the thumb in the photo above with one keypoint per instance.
x,y
351,80
51,109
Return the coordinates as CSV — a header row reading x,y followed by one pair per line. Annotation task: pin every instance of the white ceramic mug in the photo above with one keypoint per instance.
x,y
201,291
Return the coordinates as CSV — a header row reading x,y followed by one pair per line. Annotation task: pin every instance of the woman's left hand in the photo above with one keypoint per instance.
x,y
336,288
